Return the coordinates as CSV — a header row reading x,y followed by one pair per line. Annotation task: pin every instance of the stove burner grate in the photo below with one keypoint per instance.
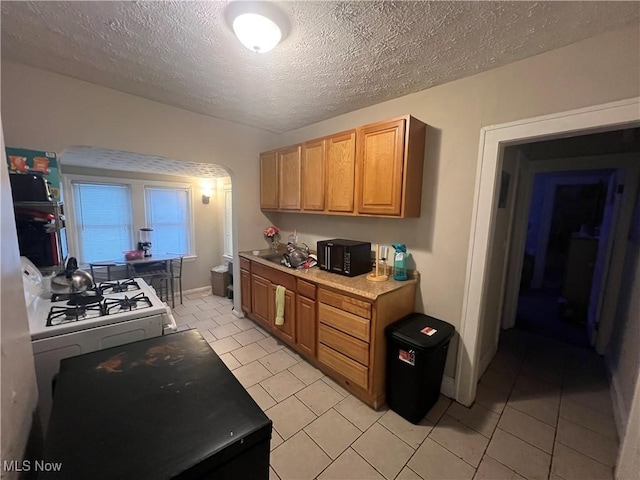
x,y
119,286
83,299
126,304
78,298
74,313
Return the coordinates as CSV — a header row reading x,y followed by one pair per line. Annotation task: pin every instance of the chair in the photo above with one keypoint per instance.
x,y
156,274
107,271
176,274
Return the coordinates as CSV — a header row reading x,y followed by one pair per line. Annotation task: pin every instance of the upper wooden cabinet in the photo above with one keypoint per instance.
x,y
381,161
374,170
390,159
289,162
269,180
280,177
341,172
313,175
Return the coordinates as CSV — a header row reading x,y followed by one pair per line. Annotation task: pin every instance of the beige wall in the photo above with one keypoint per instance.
x,y
591,72
207,219
19,394
46,111
49,112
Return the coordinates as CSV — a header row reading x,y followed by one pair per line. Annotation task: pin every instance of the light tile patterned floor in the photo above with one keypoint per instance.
x,y
543,411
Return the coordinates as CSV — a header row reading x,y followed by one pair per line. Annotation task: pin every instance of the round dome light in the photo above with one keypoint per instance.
x,y
257,32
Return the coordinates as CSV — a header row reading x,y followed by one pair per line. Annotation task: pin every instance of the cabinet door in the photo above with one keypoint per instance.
x,y
289,160
245,289
306,325
269,180
341,168
287,330
313,175
261,297
381,160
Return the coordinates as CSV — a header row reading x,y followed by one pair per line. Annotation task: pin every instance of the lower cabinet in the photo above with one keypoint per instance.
x,y
245,287
306,325
287,330
338,332
261,300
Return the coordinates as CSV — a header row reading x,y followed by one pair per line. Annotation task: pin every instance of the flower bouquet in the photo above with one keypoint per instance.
x,y
272,235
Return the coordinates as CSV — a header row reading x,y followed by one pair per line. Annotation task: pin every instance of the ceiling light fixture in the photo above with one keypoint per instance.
x,y
259,26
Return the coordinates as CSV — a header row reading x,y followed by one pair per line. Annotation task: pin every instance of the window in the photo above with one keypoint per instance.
x,y
167,212
105,215
103,220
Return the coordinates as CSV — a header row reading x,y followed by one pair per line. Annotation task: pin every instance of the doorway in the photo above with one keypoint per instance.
x,y
566,230
475,354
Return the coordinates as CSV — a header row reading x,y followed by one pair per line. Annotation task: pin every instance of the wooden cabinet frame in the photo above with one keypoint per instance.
x,y
373,170
346,340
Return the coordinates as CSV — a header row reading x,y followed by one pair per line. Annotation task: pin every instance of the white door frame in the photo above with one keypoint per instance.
x,y
493,140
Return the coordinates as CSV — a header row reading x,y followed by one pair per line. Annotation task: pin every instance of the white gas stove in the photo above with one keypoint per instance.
x,y
112,314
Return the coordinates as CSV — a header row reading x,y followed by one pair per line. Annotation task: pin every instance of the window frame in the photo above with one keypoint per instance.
x,y
138,206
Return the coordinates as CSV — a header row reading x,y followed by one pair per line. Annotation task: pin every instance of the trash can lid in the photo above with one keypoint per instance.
x,y
421,331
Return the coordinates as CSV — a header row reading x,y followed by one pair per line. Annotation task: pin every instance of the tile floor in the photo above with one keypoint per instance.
x,y
543,410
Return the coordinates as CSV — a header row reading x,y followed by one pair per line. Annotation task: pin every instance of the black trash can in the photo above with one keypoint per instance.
x,y
416,353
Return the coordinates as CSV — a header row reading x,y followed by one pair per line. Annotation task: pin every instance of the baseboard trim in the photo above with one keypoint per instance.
x,y
448,387
196,290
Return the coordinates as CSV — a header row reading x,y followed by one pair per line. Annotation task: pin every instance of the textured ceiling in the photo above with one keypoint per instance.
x,y
338,56
103,158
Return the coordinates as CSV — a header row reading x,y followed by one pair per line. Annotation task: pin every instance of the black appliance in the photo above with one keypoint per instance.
x,y
29,187
37,237
345,257
161,408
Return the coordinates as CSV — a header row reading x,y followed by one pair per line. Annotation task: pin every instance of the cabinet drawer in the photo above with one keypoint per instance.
x,y
274,276
350,304
306,289
348,368
245,264
344,321
345,344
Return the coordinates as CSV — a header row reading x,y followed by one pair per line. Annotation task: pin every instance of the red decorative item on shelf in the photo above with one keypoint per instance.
x,y
133,254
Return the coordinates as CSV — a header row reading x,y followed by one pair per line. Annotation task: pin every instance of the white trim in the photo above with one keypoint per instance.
x,y
518,243
448,387
493,139
196,290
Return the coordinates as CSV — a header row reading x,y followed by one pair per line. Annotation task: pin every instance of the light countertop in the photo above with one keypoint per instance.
x,y
359,285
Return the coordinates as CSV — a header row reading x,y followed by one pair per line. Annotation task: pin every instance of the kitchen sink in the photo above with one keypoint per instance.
x,y
274,258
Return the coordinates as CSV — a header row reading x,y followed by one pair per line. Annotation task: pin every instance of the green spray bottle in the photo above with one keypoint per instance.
x,y
400,261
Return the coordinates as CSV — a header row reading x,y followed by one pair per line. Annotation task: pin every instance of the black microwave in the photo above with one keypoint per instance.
x,y
345,257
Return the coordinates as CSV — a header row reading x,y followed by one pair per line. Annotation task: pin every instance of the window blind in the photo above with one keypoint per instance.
x,y
167,211
103,221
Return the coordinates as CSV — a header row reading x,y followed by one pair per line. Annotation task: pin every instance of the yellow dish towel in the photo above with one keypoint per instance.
x,y
280,304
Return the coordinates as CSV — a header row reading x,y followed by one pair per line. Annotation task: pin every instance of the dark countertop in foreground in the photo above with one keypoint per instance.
x,y
359,285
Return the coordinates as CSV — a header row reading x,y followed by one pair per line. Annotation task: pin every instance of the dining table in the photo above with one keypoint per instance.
x,y
155,267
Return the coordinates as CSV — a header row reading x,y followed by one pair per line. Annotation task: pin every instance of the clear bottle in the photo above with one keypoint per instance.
x,y
292,241
400,262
